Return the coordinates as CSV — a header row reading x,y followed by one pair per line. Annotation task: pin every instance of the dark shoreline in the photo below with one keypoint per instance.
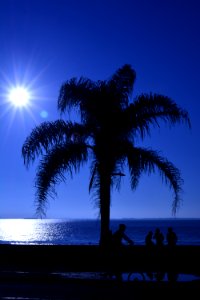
x,y
66,258
36,271
39,287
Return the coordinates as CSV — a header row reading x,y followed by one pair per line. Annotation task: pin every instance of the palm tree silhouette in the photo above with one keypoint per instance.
x,y
109,123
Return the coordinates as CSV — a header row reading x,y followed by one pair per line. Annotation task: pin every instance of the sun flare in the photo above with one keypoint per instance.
x,y
19,96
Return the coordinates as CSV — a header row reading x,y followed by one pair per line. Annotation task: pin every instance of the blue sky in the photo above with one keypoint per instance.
x,y
43,43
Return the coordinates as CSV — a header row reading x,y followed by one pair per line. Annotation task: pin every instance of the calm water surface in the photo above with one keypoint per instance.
x,y
85,232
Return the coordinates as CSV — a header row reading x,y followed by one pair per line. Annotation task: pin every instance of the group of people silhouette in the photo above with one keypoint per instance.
x,y
157,238
153,239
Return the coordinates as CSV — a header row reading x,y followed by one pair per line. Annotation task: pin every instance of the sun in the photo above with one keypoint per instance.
x,y
19,96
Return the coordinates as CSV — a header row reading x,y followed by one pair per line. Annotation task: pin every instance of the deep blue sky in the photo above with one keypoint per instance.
x,y
43,43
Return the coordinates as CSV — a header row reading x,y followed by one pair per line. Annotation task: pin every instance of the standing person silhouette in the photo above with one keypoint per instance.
x,y
150,246
171,237
117,245
149,239
159,237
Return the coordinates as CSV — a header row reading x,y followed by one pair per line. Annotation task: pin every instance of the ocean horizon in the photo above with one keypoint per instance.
x,y
86,231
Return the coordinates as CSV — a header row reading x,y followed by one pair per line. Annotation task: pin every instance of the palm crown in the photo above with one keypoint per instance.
x,y
110,122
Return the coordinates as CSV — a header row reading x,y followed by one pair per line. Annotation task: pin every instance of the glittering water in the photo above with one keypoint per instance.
x,y
84,232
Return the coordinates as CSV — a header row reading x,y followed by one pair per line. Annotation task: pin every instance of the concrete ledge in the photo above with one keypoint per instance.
x,y
61,258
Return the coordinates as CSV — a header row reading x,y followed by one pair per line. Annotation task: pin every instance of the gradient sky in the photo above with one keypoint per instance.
x,y
43,43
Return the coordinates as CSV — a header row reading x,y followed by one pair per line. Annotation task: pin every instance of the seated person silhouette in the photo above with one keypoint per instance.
x,y
119,236
117,245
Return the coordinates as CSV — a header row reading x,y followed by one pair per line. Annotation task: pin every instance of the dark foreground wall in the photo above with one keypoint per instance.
x,y
61,258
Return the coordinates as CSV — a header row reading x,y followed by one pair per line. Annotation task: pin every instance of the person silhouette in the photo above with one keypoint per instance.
x,y
171,237
119,236
118,239
159,237
150,246
159,241
149,239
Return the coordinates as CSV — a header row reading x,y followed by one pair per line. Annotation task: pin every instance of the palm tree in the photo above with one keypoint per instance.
x,y
109,123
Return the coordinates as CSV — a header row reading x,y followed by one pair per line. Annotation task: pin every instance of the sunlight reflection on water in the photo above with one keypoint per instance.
x,y
48,231
28,230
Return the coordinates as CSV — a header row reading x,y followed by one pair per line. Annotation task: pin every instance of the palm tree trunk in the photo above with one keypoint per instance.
x,y
105,183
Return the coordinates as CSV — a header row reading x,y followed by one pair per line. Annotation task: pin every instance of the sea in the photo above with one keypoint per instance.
x,y
87,232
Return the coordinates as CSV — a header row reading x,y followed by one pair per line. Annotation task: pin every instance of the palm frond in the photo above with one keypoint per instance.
x,y
145,160
74,92
57,161
122,81
149,109
49,134
93,172
42,138
94,185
